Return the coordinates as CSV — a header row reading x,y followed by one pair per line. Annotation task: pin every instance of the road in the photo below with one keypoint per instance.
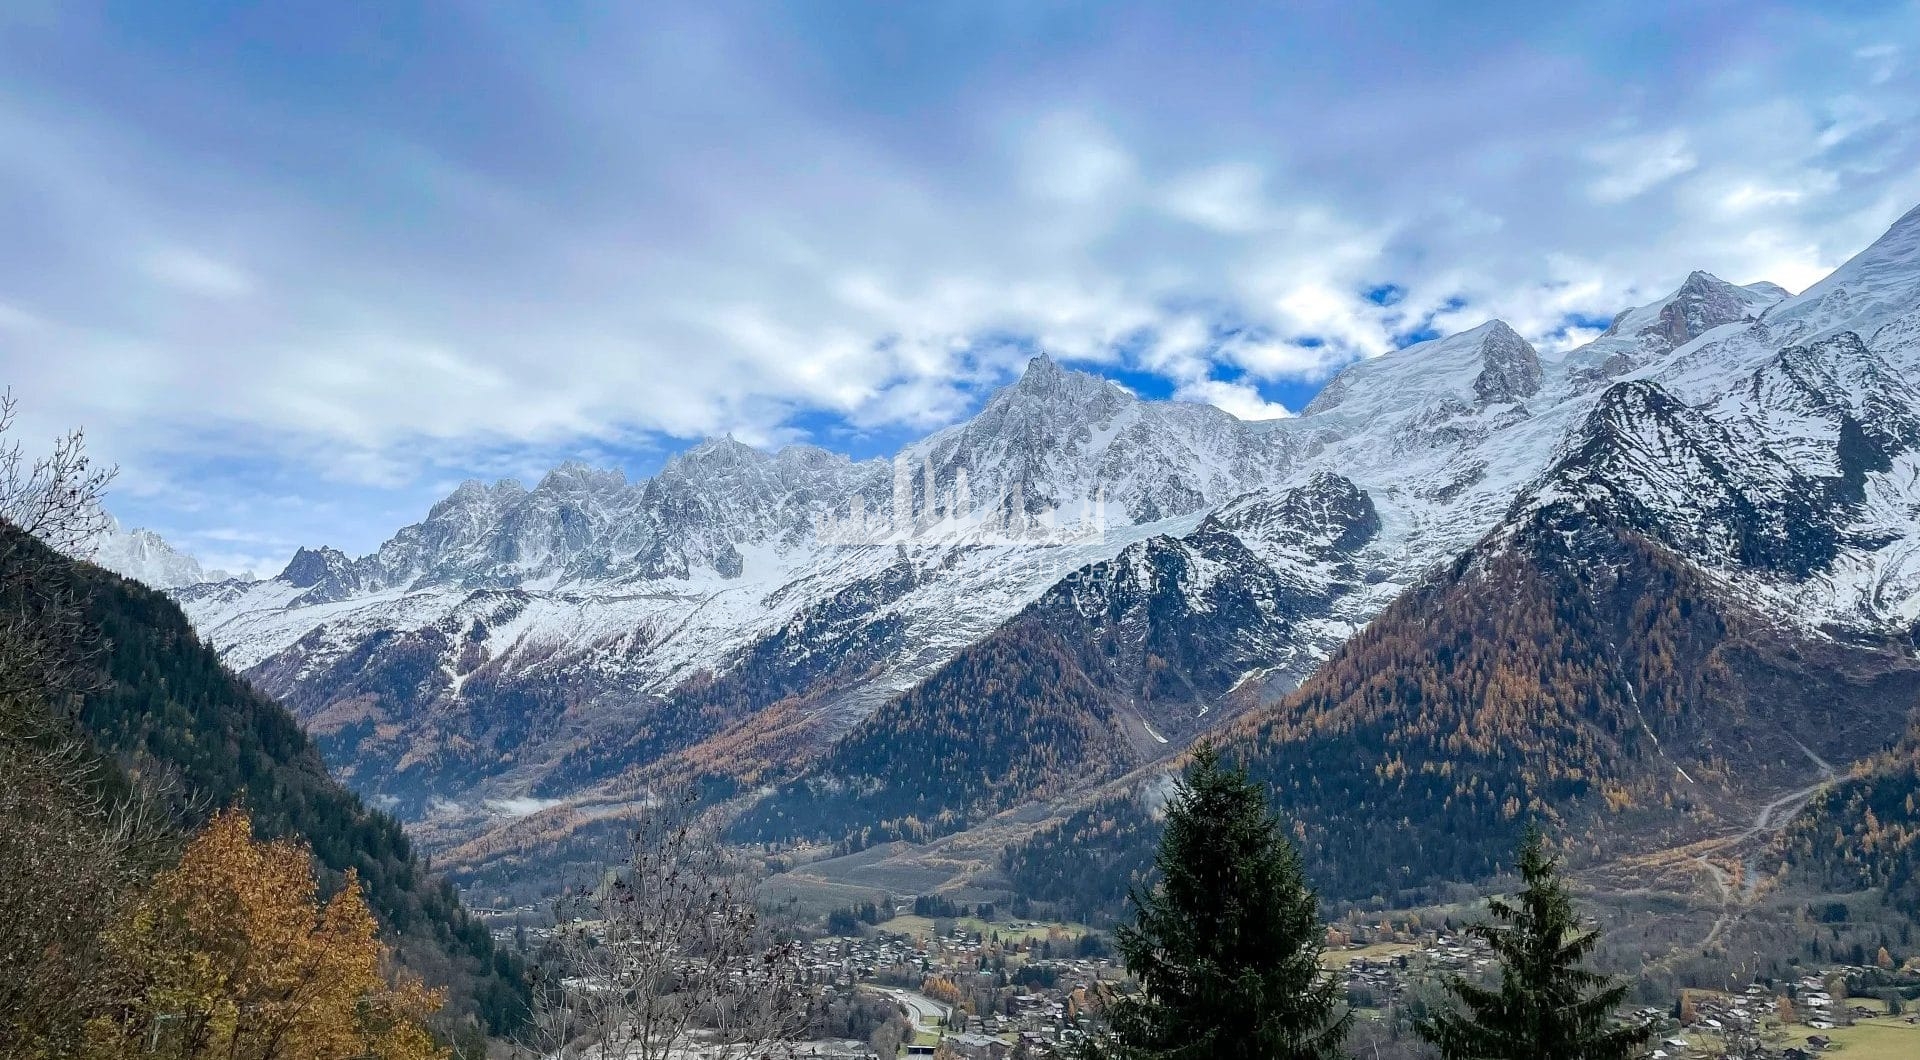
x,y
926,1013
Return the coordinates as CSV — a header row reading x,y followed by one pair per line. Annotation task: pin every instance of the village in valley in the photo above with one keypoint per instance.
x,y
923,976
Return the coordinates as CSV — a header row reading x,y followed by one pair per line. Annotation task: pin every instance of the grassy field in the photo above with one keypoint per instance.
x,y
1881,1039
1379,951
922,927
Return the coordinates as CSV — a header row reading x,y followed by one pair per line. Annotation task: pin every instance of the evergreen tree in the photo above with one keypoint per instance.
x,y
1226,947
1548,1006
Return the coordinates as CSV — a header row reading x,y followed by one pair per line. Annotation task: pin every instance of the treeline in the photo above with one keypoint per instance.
x,y
1516,687
1038,704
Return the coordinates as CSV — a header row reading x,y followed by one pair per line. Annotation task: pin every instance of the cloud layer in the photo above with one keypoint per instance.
x,y
299,273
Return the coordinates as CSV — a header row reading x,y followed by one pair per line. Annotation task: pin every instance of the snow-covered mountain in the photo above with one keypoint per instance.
x,y
145,556
586,596
543,641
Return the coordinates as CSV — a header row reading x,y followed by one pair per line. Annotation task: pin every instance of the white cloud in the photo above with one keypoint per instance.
x,y
1072,159
1227,198
1238,398
1285,360
197,273
1635,165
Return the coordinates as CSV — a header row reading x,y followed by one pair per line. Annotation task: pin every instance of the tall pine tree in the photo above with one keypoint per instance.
x,y
1548,1006
1226,947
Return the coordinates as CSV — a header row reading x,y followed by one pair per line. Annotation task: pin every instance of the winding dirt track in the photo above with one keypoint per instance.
x,y
1771,818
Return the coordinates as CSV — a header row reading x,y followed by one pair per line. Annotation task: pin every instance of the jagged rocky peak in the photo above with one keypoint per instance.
x,y
1342,512
1640,335
476,496
1326,516
1625,408
312,566
1045,385
576,477
725,453
1702,303
1056,436
1511,365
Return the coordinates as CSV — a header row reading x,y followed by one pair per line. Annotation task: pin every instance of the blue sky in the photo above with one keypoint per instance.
x,y
300,267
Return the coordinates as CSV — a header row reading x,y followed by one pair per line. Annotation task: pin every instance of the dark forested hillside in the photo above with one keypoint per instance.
x,y
1002,720
162,708
1865,832
1087,864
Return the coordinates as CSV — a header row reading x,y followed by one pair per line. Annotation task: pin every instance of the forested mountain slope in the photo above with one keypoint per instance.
x,y
161,707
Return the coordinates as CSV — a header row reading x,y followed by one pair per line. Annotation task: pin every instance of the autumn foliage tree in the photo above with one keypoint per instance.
x,y
233,953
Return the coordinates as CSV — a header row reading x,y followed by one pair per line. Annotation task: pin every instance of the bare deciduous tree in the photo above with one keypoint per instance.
x,y
668,957
51,501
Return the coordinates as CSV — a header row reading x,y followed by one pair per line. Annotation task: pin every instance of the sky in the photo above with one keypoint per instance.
x,y
299,268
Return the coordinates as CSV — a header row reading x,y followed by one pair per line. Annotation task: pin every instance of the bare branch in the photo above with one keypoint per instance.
x,y
668,957
55,498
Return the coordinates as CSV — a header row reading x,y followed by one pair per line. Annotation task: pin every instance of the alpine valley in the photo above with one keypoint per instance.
x,y
1662,589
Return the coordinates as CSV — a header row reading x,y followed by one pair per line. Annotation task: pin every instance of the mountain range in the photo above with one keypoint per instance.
x,y
1639,586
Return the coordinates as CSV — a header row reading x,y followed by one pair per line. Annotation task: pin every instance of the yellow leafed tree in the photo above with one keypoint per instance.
x,y
232,954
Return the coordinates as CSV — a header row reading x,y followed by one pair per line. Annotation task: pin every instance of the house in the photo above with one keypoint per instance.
x,y
978,1047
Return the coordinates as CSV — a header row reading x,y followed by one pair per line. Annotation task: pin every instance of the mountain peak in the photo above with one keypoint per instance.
x,y
474,496
575,476
1048,385
1491,360
719,453
145,556
1701,303
1512,366
311,566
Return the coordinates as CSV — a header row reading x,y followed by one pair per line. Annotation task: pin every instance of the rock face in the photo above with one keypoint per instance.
x,y
1511,366
565,640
